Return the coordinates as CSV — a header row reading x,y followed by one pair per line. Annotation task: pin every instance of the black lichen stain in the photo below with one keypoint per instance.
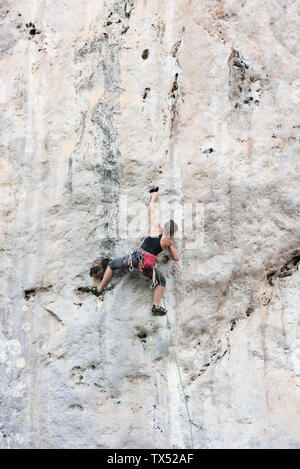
x,y
244,91
32,31
146,91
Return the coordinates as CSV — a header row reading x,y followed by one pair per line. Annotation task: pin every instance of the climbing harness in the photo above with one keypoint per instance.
x,y
147,261
185,397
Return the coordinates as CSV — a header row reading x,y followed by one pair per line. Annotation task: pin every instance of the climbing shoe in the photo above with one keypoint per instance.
x,y
158,310
92,290
154,189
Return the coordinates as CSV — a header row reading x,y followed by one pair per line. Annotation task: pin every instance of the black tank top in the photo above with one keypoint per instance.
x,y
152,244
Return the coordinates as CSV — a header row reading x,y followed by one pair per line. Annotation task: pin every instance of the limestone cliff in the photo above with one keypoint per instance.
x,y
98,101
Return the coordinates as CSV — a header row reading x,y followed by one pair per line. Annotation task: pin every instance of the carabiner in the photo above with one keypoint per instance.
x,y
153,284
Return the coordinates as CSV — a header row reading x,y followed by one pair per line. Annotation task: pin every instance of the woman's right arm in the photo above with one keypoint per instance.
x,y
173,251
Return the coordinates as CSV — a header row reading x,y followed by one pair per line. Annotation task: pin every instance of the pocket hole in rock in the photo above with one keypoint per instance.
x,y
29,293
249,311
97,270
142,335
145,54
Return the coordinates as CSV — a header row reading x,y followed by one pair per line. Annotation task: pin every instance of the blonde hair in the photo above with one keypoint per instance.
x,y
170,229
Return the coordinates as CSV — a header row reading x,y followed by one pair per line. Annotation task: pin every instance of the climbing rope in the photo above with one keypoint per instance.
x,y
185,397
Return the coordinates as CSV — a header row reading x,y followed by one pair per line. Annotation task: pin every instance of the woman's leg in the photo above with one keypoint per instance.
x,y
158,291
161,281
118,263
108,274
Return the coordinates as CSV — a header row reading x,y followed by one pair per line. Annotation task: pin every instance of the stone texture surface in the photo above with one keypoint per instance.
x,y
98,100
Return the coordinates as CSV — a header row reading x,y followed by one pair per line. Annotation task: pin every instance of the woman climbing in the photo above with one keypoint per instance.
x,y
144,257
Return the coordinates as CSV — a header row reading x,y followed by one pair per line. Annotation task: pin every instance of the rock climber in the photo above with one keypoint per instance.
x,y
144,258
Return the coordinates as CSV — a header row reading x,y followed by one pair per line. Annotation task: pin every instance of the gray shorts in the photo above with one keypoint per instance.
x,y
123,263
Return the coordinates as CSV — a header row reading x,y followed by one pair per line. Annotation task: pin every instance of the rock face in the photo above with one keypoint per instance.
x,y
99,101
